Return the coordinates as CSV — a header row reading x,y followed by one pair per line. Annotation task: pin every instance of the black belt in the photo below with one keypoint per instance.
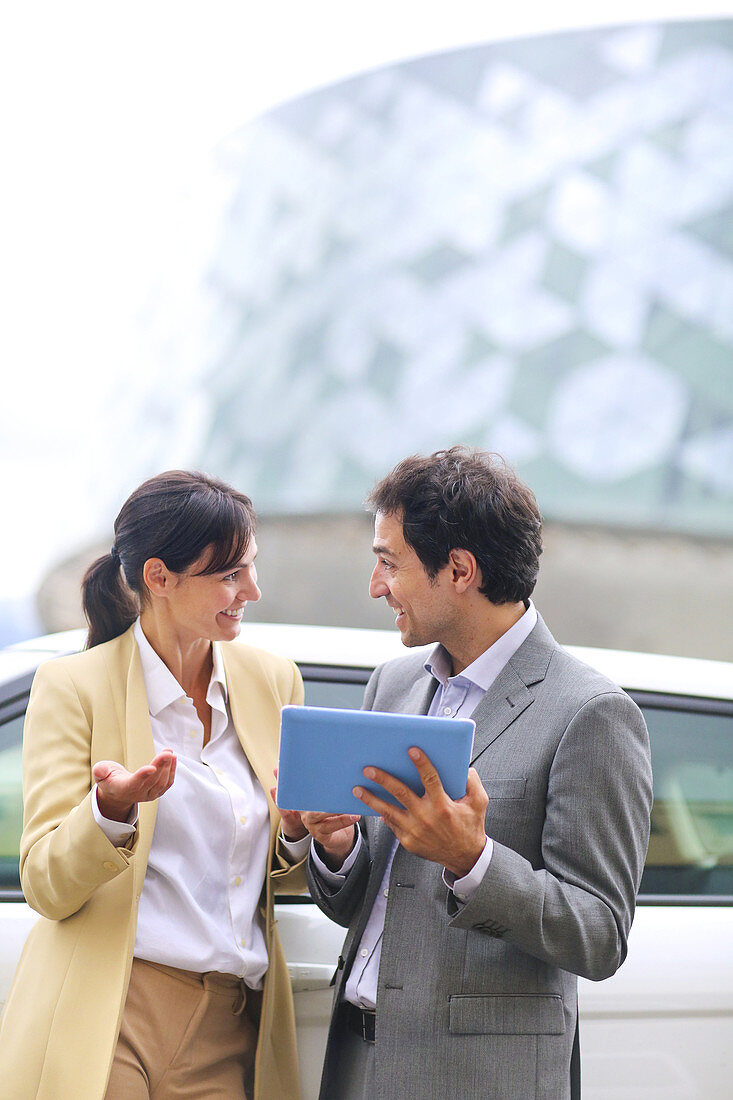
x,y
359,1020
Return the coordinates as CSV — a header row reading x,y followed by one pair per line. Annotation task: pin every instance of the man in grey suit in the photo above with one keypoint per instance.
x,y
469,920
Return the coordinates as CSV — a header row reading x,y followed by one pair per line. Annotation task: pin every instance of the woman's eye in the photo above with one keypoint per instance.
x,y
231,577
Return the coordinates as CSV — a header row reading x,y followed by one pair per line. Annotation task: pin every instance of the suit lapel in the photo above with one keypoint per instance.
x,y
510,693
503,702
419,695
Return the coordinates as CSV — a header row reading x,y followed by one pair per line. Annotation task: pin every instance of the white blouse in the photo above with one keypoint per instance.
x,y
199,905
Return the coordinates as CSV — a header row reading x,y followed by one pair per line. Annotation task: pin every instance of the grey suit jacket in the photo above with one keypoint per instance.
x,y
481,1000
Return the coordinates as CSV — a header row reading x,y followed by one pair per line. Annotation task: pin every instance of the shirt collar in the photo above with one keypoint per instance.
x,y
483,671
216,696
161,686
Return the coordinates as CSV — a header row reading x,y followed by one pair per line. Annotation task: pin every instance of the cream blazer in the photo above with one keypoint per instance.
x,y
60,1024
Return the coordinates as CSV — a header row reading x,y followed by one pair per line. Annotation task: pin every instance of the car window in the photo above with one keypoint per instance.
x,y
691,842
11,800
346,694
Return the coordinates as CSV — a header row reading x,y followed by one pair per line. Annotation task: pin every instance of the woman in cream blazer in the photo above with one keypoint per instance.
x,y
88,719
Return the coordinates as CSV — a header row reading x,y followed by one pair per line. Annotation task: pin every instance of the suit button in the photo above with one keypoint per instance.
x,y
109,865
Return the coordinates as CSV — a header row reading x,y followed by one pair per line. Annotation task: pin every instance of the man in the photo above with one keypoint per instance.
x,y
469,920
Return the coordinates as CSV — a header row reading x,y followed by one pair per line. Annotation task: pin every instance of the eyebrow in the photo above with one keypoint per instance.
x,y
379,548
241,564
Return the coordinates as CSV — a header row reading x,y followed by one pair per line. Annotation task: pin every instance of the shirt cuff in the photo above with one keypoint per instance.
x,y
295,850
336,878
117,832
464,888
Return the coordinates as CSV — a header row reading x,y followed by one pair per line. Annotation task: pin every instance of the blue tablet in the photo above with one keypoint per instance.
x,y
323,752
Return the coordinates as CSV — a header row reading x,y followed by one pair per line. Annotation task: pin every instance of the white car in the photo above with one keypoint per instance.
x,y
662,1027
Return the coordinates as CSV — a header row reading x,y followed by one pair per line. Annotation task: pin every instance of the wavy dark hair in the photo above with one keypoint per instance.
x,y
463,498
174,516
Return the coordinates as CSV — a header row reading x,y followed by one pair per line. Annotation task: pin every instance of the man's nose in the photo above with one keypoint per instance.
x,y
377,587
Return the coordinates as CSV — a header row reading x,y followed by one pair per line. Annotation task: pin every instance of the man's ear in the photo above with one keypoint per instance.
x,y
464,569
157,577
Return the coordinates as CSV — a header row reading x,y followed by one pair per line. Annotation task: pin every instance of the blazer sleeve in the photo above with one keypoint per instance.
x,y
64,855
576,909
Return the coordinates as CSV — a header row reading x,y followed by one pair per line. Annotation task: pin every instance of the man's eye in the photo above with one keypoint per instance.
x,y
231,577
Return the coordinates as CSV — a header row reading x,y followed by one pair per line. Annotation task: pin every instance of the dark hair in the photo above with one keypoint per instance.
x,y
174,516
472,500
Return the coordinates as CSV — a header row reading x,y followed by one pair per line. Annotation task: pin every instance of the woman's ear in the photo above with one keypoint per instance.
x,y
157,577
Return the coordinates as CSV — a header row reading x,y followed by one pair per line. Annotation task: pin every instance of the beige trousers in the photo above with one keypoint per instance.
x,y
184,1036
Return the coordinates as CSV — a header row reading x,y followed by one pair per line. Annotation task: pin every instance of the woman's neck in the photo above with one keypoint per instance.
x,y
190,660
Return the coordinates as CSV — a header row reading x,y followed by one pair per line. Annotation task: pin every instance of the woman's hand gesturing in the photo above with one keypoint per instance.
x,y
118,790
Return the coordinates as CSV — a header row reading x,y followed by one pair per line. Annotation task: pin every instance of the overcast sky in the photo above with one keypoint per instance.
x,y
111,114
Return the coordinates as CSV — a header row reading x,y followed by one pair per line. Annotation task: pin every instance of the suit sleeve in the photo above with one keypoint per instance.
x,y
576,909
64,855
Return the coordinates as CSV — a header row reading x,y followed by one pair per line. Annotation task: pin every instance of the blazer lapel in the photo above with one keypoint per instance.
x,y
244,694
133,716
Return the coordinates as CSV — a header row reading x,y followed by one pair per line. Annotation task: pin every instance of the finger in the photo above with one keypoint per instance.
x,y
427,772
168,772
164,780
292,825
395,787
386,810
162,758
337,822
152,780
314,817
164,763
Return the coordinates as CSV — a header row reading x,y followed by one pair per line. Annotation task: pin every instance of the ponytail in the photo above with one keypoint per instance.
x,y
109,605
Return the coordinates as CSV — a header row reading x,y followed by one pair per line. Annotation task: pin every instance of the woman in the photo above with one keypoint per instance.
x,y
149,844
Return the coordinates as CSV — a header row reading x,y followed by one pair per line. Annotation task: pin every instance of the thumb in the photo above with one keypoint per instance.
x,y
474,786
102,770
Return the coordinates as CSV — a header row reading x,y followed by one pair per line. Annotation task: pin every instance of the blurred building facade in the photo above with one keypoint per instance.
x,y
526,246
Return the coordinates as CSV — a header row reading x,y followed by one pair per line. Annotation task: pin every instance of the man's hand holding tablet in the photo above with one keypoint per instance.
x,y
328,758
